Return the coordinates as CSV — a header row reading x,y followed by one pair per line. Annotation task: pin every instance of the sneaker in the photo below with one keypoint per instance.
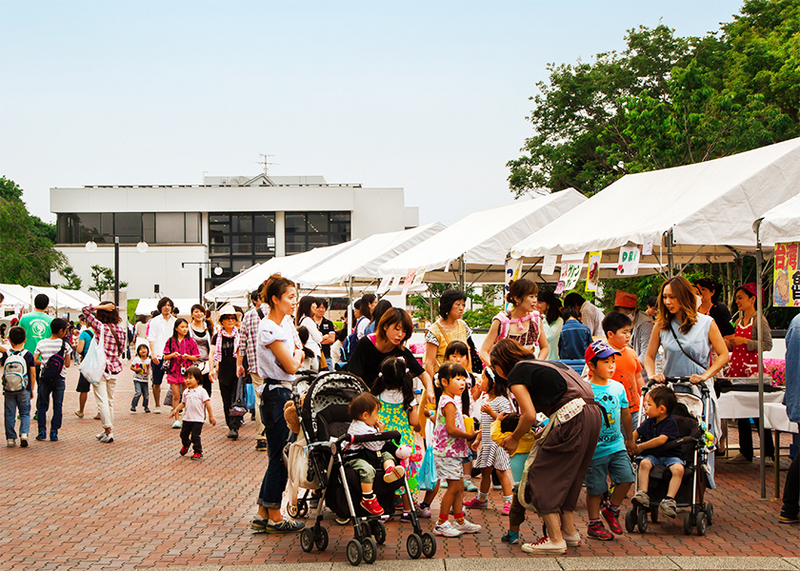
x,y
611,515
641,498
739,459
572,540
177,424
157,410
545,547
396,473
197,456
147,410
506,508
405,518
133,409
258,525
476,503
233,434
788,516
107,438
41,436
284,526
261,445
100,436
79,414
54,437
184,450
597,530
668,507
469,486
446,529
23,440
510,537
372,506
466,526
11,442
424,511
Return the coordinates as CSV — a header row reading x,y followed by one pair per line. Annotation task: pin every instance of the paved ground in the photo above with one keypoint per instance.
x,y
79,504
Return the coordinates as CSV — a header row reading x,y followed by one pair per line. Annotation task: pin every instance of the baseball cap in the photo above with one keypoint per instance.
x,y
600,349
625,299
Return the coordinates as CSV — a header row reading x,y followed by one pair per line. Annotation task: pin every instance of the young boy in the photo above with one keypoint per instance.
x,y
655,432
19,376
618,328
610,458
53,356
197,403
364,412
575,336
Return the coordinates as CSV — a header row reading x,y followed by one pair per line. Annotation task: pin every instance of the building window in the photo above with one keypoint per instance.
x,y
238,241
308,230
131,227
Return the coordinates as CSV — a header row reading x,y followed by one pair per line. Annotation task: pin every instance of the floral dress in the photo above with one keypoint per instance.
x,y
395,417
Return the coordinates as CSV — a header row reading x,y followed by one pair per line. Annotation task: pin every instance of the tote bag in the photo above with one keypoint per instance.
x,y
93,365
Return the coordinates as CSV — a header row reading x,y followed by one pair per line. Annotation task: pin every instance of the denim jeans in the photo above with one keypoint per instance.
x,y
142,389
21,401
44,390
274,481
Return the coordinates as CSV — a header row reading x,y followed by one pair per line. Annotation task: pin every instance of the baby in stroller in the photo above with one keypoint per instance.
x,y
364,412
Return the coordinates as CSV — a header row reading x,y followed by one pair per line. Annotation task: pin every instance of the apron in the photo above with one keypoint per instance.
x,y
744,363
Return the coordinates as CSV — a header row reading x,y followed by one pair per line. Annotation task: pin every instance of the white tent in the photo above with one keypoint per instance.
x,y
782,223
71,300
481,241
15,296
292,267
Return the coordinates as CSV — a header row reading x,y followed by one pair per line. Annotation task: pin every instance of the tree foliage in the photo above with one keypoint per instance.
x,y
665,101
103,281
71,279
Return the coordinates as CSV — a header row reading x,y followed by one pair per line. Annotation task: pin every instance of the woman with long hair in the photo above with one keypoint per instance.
x,y
200,329
306,311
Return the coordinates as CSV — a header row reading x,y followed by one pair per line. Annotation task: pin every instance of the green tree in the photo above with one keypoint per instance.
x,y
73,280
103,281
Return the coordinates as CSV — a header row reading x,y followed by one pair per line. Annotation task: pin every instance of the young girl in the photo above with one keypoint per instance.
x,y
197,403
182,352
491,455
395,391
140,365
450,448
458,352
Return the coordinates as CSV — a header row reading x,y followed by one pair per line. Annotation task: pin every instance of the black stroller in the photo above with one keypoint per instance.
x,y
690,415
325,419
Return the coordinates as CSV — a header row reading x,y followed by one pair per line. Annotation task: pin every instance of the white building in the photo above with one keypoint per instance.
x,y
230,223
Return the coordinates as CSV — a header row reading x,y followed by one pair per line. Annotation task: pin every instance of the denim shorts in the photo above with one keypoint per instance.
x,y
616,466
669,461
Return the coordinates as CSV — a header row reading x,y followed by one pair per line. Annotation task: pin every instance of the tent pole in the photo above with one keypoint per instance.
x,y
350,304
670,256
462,270
757,318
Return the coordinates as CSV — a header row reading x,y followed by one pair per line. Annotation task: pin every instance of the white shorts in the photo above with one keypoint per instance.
x,y
449,468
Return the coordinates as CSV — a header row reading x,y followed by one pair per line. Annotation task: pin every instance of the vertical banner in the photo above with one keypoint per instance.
x,y
786,283
628,264
409,279
647,247
549,265
593,271
513,272
384,285
571,267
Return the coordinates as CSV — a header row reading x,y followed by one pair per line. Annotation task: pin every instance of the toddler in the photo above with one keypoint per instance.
x,y
196,403
141,365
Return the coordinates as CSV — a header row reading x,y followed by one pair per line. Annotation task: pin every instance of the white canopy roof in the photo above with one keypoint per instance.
x,y
15,295
292,267
484,237
782,223
364,259
60,298
708,206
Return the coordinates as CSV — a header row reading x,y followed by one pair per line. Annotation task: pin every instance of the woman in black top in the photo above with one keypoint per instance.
x,y
200,330
709,289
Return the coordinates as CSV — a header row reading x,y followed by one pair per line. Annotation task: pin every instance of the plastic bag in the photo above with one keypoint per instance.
x,y
249,396
426,476
93,365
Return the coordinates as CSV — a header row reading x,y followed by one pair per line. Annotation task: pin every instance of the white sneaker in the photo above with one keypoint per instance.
x,y
545,547
467,526
157,410
11,442
100,436
107,439
177,424
23,440
446,529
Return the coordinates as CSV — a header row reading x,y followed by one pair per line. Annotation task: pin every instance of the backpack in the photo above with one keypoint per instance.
x,y
15,372
51,371
349,345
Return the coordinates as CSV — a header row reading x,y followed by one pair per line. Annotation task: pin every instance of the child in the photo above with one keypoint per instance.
x,y
450,448
19,377
610,458
196,402
364,411
398,411
659,429
181,351
336,348
575,336
491,455
618,328
53,355
141,366
458,352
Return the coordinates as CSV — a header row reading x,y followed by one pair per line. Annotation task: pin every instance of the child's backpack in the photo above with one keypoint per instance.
x,y
15,372
51,371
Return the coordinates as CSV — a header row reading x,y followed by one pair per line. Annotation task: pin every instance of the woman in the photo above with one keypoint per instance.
x,y
327,329
743,345
200,330
687,337
306,311
159,329
550,307
709,290
104,320
279,356
367,305
522,323
180,353
223,367
559,468
377,313
449,327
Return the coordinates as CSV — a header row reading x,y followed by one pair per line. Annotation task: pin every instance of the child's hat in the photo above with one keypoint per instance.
x,y
600,349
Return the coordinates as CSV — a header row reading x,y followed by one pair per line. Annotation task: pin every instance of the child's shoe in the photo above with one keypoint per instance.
x,y
41,436
405,518
597,530
396,473
133,409
465,526
510,537
54,437
446,529
177,424
545,547
476,503
611,515
469,486
372,505
11,442
668,507
642,498
506,508
424,511
197,456
23,440
184,450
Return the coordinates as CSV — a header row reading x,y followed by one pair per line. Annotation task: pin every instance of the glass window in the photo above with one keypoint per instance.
x,y
240,240
264,223
295,222
318,223
306,231
192,227
242,244
264,244
239,265
170,228
149,227
128,226
242,223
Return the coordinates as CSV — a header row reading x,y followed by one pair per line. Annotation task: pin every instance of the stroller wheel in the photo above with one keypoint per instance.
x,y
414,546
642,521
630,519
354,552
370,549
293,511
321,539
378,531
709,509
654,514
302,508
428,544
687,522
702,524
307,539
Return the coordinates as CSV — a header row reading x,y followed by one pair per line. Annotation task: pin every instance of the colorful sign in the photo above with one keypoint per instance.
x,y
571,267
786,284
628,264
593,272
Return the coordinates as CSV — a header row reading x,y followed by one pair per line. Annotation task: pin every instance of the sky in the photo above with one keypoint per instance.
x,y
431,96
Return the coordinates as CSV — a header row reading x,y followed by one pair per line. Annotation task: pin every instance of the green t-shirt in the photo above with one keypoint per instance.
x,y
37,327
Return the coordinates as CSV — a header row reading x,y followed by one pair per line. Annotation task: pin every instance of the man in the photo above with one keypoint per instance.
x,y
159,330
36,323
590,315
246,362
790,512
326,328
643,327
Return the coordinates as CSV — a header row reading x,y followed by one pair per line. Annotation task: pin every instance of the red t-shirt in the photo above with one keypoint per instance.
x,y
628,368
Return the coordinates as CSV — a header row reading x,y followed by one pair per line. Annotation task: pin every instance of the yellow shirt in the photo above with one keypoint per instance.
x,y
525,443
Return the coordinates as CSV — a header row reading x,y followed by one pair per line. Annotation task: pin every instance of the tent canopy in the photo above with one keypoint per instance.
x,y
73,300
365,258
483,238
782,223
15,295
709,207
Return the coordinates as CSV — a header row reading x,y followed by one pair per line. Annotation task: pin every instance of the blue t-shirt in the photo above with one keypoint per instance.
x,y
651,429
612,398
86,335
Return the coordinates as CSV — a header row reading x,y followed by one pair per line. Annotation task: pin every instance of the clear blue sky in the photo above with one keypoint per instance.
x,y
430,96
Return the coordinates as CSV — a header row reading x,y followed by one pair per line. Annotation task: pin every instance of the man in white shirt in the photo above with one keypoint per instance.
x,y
159,329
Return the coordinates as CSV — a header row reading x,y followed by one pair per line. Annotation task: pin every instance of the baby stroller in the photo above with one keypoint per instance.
x,y
324,419
689,414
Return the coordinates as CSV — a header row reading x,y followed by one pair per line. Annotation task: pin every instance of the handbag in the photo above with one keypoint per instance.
x,y
426,476
238,407
93,365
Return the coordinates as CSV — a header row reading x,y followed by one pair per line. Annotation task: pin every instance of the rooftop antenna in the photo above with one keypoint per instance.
x,y
265,163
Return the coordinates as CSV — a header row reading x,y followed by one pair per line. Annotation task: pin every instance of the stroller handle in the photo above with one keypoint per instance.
x,y
677,381
347,440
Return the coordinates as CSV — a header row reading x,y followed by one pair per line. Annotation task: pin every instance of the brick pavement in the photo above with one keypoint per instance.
x,y
79,504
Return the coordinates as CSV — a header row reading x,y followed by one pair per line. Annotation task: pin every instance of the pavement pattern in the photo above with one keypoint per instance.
x,y
78,504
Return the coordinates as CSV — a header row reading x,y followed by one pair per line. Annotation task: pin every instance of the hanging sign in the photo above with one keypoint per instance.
x,y
384,285
513,271
593,271
628,264
786,285
549,265
419,276
647,247
559,288
571,270
409,279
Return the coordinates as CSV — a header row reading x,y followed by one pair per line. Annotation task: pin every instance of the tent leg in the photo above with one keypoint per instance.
x,y
670,256
759,313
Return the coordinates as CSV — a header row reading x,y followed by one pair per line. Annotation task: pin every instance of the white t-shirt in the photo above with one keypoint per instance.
x,y
46,348
361,327
194,401
158,332
392,396
268,333
146,365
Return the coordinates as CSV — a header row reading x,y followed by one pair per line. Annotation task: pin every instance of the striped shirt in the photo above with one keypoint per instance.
x,y
248,336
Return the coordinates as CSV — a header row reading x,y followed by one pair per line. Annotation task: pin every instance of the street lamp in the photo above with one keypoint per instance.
x,y
217,270
91,246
